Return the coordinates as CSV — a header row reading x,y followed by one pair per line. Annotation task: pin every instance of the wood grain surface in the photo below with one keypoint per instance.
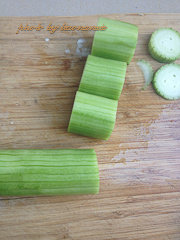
x,y
139,165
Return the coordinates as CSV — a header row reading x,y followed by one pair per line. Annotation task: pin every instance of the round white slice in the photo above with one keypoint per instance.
x,y
164,45
166,81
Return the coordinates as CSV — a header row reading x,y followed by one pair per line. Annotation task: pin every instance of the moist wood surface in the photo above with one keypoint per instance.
x,y
139,165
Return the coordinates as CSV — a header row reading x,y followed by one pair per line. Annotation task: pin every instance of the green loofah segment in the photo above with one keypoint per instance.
x,y
117,42
48,172
103,77
93,116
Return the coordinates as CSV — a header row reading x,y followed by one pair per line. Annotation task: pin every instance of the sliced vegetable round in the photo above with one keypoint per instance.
x,y
166,81
164,45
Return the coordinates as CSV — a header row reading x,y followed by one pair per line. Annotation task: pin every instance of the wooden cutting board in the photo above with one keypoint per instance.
x,y
139,165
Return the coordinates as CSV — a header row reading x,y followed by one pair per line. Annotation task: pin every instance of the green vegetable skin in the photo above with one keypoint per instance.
x,y
164,45
103,77
48,172
117,42
166,81
93,116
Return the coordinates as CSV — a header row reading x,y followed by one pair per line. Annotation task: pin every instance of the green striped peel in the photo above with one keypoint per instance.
x,y
103,77
48,172
93,116
117,42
